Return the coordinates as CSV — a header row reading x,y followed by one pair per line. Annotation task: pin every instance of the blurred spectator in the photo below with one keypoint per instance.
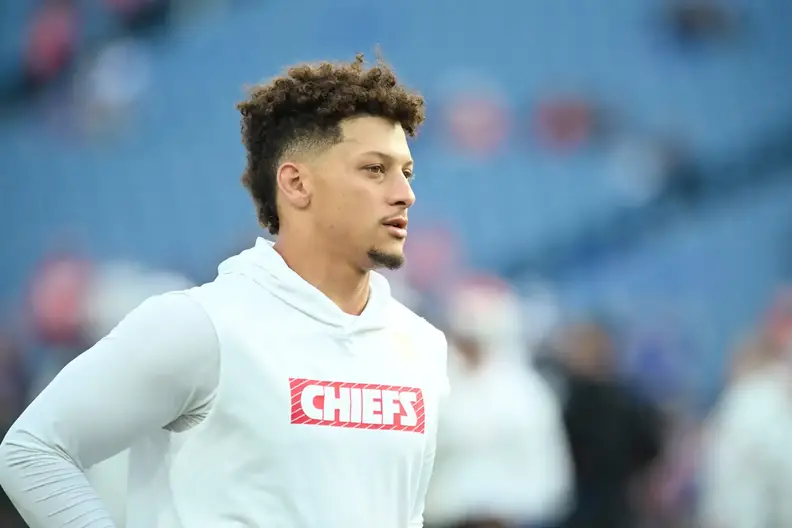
x,y
113,86
668,494
141,15
13,387
501,458
698,21
614,436
565,124
435,263
117,288
57,298
777,322
13,390
55,304
52,41
642,168
747,473
475,116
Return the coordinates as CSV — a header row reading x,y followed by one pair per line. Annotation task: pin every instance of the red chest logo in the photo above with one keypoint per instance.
x,y
357,405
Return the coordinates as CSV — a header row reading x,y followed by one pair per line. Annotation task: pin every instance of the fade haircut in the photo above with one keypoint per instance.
x,y
303,109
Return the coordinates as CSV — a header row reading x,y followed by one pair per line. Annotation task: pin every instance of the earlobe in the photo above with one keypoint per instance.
x,y
294,185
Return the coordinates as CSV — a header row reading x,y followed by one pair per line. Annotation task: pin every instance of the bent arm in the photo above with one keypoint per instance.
x,y
158,366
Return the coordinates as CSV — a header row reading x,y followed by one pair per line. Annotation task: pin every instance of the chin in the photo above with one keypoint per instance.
x,y
391,260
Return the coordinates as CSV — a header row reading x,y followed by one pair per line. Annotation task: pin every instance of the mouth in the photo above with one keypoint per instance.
x,y
397,227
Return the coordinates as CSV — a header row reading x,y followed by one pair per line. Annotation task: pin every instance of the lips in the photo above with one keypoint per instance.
x,y
399,222
397,227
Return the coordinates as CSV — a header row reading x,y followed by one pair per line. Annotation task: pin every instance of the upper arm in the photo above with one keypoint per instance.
x,y
160,363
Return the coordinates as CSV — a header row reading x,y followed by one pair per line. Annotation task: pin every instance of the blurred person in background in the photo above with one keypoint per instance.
x,y
746,476
52,39
325,410
12,397
13,382
502,457
613,434
53,315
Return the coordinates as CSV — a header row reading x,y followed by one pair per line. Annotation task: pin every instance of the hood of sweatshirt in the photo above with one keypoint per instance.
x,y
265,268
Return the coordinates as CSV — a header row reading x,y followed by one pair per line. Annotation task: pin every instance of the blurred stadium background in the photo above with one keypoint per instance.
x,y
625,162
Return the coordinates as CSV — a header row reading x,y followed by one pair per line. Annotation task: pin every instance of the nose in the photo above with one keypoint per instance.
x,y
402,193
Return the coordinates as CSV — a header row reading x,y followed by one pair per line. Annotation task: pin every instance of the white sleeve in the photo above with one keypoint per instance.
x,y
738,463
159,367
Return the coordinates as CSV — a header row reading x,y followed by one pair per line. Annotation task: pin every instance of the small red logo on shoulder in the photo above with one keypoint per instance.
x,y
357,405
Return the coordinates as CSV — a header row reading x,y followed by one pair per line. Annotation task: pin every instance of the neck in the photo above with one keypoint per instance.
x,y
338,279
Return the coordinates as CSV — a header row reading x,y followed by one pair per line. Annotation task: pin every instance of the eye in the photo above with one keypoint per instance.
x,y
409,175
376,169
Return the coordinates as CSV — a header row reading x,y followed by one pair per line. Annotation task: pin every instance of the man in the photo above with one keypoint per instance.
x,y
614,435
292,391
502,457
746,467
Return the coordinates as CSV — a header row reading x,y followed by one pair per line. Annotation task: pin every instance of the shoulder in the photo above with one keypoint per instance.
x,y
428,342
179,308
230,298
234,294
172,326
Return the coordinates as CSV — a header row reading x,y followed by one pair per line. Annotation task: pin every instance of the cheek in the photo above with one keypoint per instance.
x,y
355,198
347,209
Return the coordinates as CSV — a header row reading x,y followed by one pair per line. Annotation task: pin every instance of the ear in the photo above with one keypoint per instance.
x,y
294,182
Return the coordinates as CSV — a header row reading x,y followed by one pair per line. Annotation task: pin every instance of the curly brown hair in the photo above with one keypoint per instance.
x,y
304,108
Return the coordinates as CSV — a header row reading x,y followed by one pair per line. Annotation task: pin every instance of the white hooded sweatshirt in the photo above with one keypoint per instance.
x,y
502,450
250,401
746,473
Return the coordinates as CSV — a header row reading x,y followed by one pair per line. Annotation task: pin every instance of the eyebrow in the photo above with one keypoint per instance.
x,y
386,156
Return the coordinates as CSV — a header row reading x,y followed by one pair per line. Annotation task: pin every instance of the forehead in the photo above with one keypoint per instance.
x,y
368,133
